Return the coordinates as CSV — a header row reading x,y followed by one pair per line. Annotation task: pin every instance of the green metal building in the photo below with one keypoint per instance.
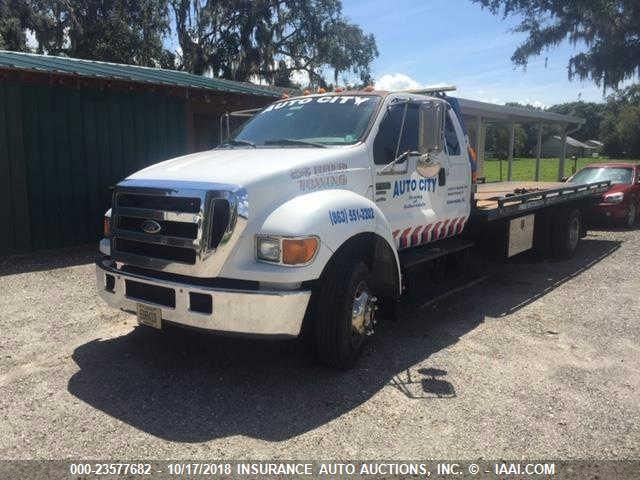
x,y
70,129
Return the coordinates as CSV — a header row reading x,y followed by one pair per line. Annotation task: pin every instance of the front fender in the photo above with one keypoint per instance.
x,y
334,216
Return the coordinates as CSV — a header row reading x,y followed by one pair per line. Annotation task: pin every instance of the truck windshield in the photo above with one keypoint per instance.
x,y
598,174
309,121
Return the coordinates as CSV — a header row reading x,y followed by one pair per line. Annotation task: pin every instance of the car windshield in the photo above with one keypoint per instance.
x,y
309,121
615,175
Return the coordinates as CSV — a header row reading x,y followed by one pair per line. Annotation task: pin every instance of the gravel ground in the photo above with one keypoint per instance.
x,y
541,361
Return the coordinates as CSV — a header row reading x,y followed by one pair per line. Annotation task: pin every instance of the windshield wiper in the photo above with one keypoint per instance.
x,y
239,142
293,141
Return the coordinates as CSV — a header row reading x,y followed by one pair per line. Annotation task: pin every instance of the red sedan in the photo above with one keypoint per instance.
x,y
621,203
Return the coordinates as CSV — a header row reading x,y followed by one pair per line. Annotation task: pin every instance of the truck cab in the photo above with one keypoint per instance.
x,y
295,224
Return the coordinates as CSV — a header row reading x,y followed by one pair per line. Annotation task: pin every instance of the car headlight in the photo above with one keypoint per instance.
x,y
614,197
286,251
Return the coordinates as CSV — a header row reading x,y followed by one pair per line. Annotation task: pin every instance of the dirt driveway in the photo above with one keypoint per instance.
x,y
542,361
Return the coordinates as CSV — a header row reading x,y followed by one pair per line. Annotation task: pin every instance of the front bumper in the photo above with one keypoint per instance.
x,y
617,211
252,312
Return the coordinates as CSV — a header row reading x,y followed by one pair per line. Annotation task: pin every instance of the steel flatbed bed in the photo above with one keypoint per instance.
x,y
501,200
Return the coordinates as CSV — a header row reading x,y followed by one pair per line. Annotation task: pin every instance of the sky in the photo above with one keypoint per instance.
x,y
427,42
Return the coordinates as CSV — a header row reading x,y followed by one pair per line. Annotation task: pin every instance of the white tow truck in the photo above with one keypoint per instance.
x,y
313,213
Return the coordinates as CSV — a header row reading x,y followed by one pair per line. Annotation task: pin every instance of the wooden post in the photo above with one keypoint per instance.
x,y
563,153
538,152
512,141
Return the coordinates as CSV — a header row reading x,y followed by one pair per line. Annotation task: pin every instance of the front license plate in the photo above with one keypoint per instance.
x,y
149,316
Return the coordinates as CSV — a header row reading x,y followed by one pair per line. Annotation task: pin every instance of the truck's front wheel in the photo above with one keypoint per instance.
x,y
344,311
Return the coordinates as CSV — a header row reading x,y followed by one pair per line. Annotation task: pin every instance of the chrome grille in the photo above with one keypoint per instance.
x,y
155,202
189,224
167,227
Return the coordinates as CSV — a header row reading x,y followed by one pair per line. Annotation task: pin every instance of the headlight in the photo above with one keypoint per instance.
x,y
269,249
287,251
107,223
614,197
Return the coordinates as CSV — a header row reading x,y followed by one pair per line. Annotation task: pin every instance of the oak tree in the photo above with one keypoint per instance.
x,y
606,31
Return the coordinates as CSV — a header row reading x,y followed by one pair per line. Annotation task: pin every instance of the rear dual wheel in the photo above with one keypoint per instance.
x,y
565,233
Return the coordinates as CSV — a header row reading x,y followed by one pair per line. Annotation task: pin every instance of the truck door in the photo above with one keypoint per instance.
x,y
457,188
420,209
417,207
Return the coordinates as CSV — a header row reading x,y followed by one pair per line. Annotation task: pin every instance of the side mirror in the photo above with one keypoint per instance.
x,y
224,127
430,137
431,127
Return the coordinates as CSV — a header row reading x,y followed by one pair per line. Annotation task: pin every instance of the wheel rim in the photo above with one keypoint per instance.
x,y
363,311
574,232
631,216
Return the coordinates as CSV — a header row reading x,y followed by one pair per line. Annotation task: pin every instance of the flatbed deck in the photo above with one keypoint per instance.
x,y
506,199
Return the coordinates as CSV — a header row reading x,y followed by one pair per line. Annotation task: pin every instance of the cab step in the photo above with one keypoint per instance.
x,y
416,256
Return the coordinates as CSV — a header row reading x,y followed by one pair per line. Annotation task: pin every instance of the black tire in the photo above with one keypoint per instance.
x,y
631,218
565,235
337,343
542,235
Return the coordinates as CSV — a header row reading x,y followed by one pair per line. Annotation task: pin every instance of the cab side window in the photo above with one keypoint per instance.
x,y
451,137
386,141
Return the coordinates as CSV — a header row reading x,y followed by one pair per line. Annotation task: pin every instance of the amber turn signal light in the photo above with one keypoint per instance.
x,y
298,251
107,226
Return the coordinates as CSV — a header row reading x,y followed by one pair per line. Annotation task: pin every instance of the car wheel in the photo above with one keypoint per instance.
x,y
632,216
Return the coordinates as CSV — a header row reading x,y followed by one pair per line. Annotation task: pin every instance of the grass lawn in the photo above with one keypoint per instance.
x,y
525,168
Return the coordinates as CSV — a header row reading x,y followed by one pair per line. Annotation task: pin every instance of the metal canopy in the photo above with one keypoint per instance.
x,y
490,111
132,73
480,114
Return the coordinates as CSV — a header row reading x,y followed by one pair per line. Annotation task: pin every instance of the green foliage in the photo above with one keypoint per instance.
x,y
620,131
592,112
269,39
241,40
609,30
497,141
15,16
615,122
620,125
125,31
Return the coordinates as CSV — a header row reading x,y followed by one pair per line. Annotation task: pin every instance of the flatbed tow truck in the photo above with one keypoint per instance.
x,y
314,213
